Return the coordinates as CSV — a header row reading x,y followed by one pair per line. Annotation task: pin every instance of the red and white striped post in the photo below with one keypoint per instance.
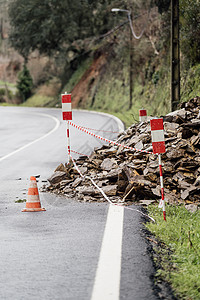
x,y
158,143
142,115
67,115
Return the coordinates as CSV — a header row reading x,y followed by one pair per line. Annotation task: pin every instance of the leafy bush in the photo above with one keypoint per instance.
x,y
2,92
2,95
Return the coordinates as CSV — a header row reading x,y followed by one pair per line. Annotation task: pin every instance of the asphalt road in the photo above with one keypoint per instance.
x,y
74,250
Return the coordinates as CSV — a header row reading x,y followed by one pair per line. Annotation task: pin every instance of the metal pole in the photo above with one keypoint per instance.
x,y
131,70
175,55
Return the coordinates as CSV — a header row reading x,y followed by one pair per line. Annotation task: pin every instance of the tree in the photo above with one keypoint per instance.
x,y
24,84
55,25
163,5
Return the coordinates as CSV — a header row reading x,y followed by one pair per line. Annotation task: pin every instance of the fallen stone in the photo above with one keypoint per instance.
x,y
108,164
191,207
57,177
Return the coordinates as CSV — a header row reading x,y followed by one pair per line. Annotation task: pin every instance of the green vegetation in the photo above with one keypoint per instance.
x,y
190,83
2,92
152,97
180,234
20,200
74,31
190,29
9,84
74,35
64,25
6,95
75,78
7,104
38,101
112,91
24,84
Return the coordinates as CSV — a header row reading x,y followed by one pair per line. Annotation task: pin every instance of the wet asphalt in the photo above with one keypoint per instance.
x,y
54,254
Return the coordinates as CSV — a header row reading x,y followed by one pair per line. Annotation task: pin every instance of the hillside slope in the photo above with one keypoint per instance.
x,y
105,86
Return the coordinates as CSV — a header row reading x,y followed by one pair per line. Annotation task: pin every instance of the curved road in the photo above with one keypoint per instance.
x,y
73,251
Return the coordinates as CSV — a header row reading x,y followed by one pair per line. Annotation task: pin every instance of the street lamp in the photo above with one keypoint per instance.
x,y
132,34
119,9
137,37
131,55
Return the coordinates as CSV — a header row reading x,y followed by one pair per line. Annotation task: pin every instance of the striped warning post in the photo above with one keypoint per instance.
x,y
33,200
66,106
142,115
157,135
67,115
158,143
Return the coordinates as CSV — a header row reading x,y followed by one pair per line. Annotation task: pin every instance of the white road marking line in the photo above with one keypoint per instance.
x,y
38,139
107,280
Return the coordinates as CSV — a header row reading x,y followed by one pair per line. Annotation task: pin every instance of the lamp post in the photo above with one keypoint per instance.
x,y
175,55
131,55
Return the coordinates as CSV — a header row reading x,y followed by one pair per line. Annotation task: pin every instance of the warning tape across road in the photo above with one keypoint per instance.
x,y
100,130
78,153
104,195
105,139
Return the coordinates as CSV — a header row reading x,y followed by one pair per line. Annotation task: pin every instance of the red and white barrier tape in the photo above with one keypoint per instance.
x,y
100,130
79,153
105,139
104,195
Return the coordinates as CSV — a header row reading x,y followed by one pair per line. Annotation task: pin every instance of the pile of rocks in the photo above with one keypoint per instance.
x,y
126,175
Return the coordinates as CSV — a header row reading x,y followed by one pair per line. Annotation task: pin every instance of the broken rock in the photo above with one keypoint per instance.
x,y
57,177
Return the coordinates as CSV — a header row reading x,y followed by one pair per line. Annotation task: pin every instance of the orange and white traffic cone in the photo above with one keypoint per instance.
x,y
33,200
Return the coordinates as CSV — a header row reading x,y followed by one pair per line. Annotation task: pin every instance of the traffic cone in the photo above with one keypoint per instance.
x,y
33,200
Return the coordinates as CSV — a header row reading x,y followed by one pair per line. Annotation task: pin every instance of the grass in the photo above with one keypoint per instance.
x,y
9,84
20,201
113,98
7,104
190,83
37,100
181,235
77,75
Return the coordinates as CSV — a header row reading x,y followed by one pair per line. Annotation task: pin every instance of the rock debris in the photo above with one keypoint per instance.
x,y
133,176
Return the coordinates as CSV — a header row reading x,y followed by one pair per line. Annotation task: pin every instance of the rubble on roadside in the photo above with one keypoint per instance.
x,y
133,176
